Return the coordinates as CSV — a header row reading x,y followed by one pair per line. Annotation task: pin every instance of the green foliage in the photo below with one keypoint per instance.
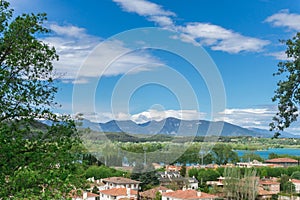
x,y
238,185
288,91
207,175
183,171
39,163
145,174
251,156
193,172
284,179
158,196
224,154
26,69
288,187
296,175
99,172
35,162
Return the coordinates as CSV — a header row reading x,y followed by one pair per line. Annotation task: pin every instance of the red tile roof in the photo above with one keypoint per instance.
x,y
282,160
120,180
295,181
89,194
118,192
152,192
188,194
269,183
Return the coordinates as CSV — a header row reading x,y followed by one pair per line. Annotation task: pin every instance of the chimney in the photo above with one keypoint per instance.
x,y
198,194
128,192
84,195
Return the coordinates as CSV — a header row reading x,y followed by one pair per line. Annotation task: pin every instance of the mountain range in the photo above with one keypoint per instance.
x,y
174,126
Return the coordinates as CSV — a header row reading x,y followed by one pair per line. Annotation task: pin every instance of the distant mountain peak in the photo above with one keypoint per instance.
x,y
175,126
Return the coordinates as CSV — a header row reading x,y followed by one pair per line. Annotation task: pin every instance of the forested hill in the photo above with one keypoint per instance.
x,y
177,127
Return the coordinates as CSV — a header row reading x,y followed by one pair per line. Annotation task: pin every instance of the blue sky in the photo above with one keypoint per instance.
x,y
241,37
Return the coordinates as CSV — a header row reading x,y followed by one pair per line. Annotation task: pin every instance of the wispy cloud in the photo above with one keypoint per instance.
x,y
285,19
143,8
219,38
145,116
259,117
158,115
214,36
280,55
249,117
74,45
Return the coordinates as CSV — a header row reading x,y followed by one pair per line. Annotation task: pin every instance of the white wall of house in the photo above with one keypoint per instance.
x,y
193,186
297,187
113,185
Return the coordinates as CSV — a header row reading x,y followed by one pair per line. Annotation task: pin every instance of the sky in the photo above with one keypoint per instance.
x,y
148,59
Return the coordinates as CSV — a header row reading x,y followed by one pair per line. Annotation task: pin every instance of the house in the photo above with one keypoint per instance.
x,y
157,165
174,178
254,163
119,194
218,183
173,168
296,182
286,162
96,184
120,182
151,194
82,195
187,194
270,185
264,194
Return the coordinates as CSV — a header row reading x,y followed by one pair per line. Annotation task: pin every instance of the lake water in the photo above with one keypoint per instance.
x,y
265,153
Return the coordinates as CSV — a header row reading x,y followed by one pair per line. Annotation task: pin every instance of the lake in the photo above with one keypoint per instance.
x,y
265,153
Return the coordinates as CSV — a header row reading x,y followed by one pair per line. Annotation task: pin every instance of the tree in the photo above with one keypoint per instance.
x,y
251,156
207,175
146,174
287,93
296,175
36,161
158,196
182,171
283,180
224,154
238,186
26,71
288,187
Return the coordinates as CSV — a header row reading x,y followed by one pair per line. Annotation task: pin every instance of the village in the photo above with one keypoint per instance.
x,y
173,185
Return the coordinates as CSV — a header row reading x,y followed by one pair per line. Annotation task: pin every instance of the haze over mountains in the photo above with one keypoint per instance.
x,y
173,126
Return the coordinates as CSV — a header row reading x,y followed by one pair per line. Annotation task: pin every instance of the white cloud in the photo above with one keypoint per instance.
x,y
219,38
145,116
285,19
69,30
159,115
74,45
254,118
143,8
280,55
248,117
214,36
162,21
244,117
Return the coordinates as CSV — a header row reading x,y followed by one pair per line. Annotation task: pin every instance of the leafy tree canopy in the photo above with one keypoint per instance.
x,y
36,162
287,93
